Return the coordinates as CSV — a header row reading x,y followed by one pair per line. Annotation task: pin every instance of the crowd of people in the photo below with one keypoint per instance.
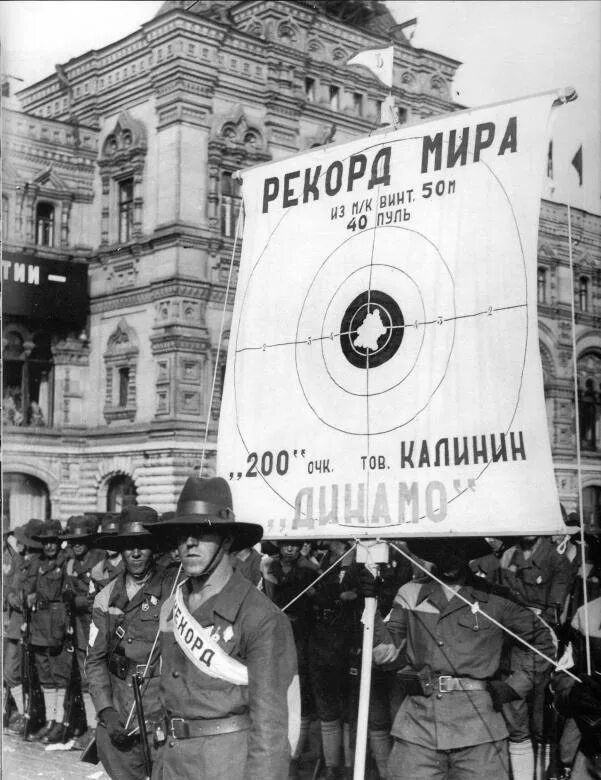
x,y
247,654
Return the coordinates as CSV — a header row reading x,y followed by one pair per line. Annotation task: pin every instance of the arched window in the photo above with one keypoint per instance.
x,y
121,492
541,285
230,203
126,208
591,507
583,293
24,497
44,224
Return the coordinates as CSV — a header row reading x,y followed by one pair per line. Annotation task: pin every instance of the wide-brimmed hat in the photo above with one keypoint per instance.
x,y
207,503
51,529
109,526
436,550
132,529
81,529
24,533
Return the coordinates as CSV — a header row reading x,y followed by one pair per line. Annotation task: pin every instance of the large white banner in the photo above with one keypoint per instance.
x,y
383,375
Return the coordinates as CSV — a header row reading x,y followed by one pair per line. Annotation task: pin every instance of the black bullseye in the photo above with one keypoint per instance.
x,y
372,329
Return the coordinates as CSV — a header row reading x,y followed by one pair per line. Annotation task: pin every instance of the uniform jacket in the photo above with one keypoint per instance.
x,y
282,586
49,616
79,582
440,637
103,572
543,580
248,563
254,631
18,580
139,619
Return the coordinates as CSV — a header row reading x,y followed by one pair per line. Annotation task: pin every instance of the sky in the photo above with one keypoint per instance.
x,y
508,50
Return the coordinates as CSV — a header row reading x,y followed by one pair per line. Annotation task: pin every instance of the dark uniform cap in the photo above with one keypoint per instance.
x,y
81,528
24,533
131,529
51,529
109,523
207,503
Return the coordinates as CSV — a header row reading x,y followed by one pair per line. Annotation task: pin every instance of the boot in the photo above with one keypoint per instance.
x,y
53,735
331,773
16,725
41,732
83,740
293,769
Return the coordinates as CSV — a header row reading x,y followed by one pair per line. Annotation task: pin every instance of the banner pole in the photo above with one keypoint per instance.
x,y
587,634
368,618
371,552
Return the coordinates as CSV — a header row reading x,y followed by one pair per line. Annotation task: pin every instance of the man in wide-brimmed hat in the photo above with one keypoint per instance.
x,y
228,656
17,583
125,623
49,630
80,534
541,577
450,724
111,565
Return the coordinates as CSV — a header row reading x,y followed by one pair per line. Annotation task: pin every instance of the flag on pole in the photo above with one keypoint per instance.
x,y
550,161
388,114
577,163
379,61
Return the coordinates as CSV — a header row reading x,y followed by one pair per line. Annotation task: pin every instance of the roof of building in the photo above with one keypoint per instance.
x,y
368,15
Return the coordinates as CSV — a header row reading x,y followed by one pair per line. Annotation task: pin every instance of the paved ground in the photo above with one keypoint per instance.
x,y
28,760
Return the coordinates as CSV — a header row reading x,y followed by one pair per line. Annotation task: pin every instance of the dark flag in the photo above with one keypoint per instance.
x,y
550,161
577,163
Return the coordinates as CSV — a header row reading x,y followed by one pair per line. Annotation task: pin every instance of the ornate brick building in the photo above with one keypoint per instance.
x,y
119,168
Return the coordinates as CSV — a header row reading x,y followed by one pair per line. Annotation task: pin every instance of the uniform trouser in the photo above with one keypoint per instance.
x,y
385,699
414,762
210,758
12,662
122,763
526,717
586,767
53,665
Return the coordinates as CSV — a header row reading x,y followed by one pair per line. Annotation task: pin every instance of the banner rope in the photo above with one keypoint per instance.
x,y
221,328
321,576
475,607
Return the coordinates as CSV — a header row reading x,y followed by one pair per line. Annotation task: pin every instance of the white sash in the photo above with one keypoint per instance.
x,y
198,646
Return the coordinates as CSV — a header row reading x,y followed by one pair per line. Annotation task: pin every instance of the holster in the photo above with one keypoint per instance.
x,y
415,683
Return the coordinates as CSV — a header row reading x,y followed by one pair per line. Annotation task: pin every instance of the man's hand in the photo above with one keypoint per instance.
x,y
32,599
14,602
385,654
114,726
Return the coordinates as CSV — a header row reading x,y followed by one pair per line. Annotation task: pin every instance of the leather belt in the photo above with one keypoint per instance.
x,y
180,728
123,667
43,604
447,684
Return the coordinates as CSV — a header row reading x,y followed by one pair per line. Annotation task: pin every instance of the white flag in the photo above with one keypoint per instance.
x,y
379,61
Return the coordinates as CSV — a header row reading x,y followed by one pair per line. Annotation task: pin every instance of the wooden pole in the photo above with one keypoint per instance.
x,y
372,554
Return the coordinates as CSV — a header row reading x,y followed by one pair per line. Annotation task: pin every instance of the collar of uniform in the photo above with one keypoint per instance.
x,y
469,591
230,597
119,597
53,563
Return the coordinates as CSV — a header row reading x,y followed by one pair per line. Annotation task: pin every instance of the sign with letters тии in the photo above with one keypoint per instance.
x,y
383,376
